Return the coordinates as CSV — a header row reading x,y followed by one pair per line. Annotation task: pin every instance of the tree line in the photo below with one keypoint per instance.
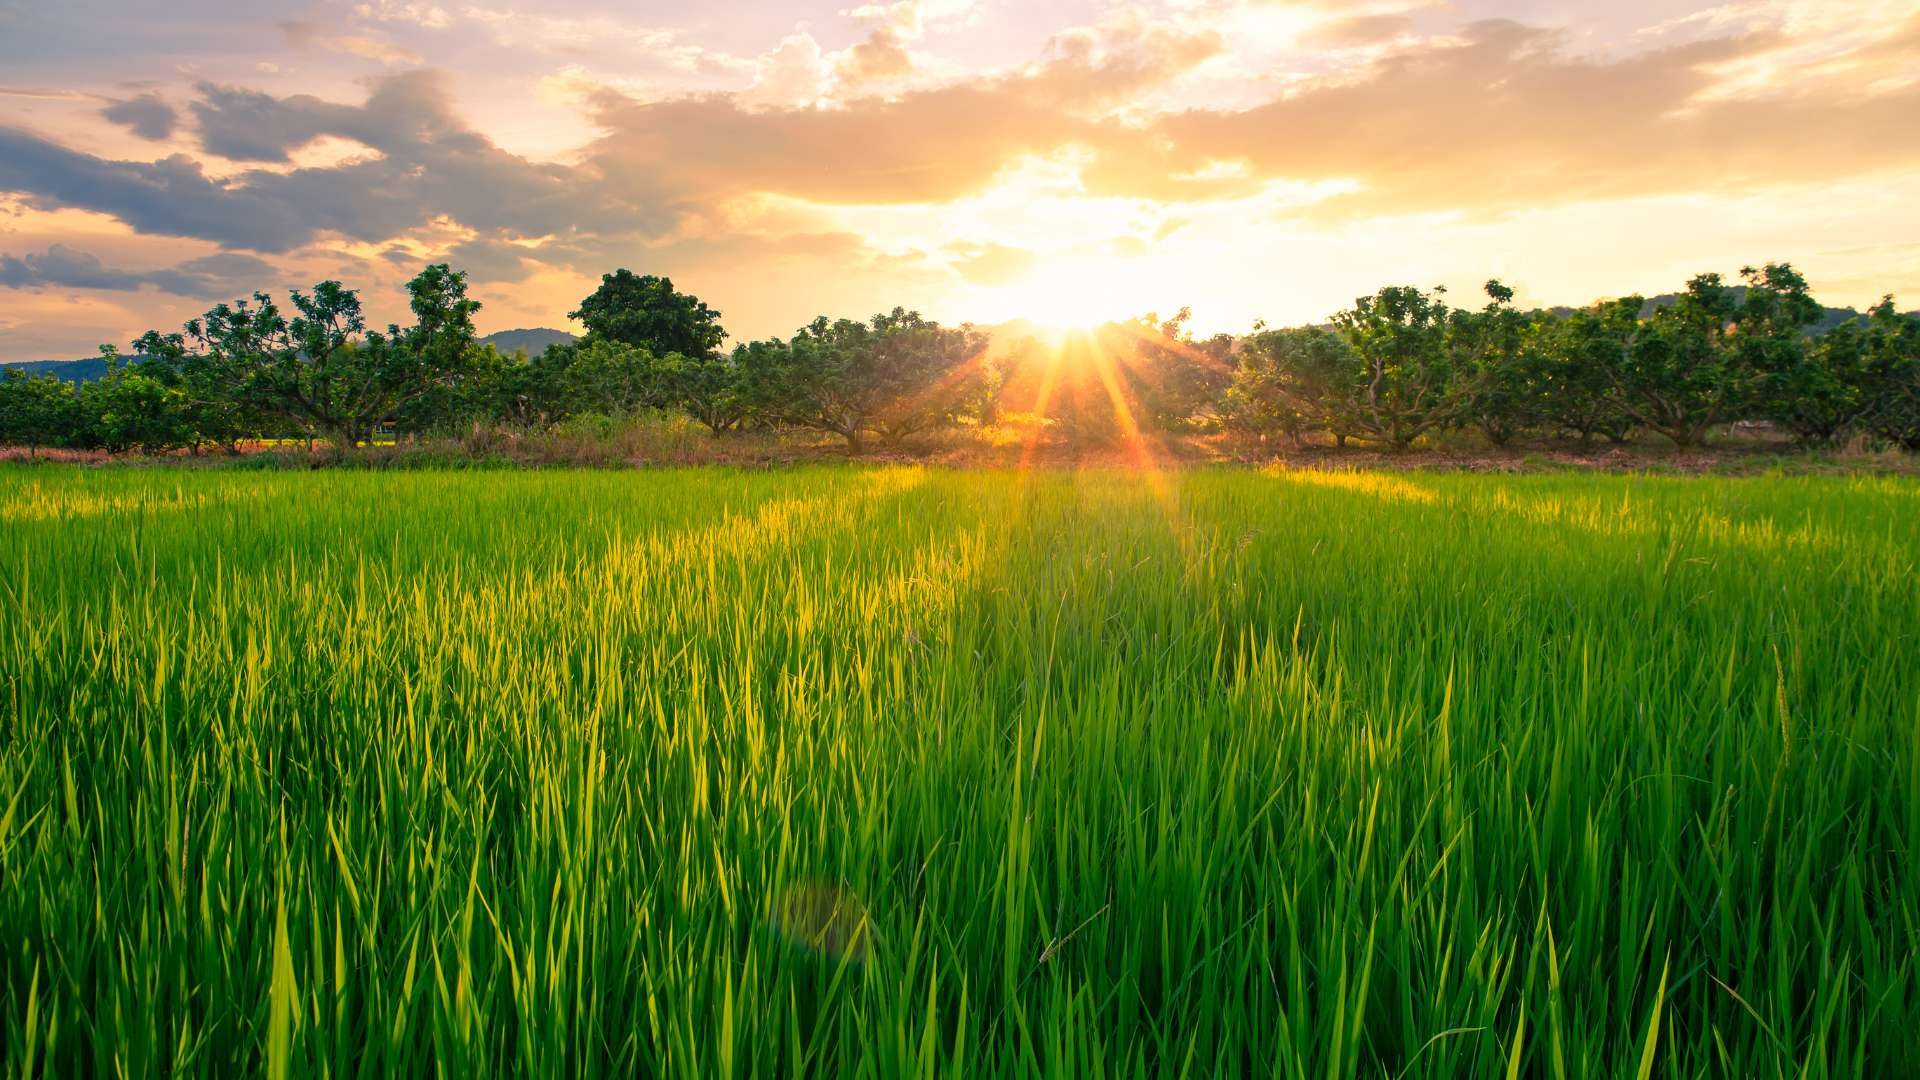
x,y
1396,366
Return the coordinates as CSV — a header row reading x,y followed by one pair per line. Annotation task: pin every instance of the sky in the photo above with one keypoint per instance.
x,y
1065,161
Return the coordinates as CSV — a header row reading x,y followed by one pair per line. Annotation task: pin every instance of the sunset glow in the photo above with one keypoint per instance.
x,y
1065,163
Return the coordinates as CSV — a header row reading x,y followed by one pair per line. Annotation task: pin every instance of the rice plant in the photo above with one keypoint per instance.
x,y
894,772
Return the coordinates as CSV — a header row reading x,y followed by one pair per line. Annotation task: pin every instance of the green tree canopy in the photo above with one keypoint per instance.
x,y
36,411
1290,381
1404,382
1579,365
1681,375
1805,387
1890,375
1491,354
893,376
321,371
646,312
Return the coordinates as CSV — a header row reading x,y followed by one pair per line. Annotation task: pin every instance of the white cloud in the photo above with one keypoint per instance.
x,y
796,74
430,16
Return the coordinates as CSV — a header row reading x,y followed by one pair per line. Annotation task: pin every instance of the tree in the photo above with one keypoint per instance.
x,y
646,312
1291,381
216,386
36,411
474,394
1171,378
1490,353
534,392
1681,374
1802,385
132,408
714,391
894,376
321,371
609,377
1579,360
1890,375
1405,383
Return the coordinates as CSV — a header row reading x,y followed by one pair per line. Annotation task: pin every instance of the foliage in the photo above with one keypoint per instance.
x,y
321,371
647,313
1581,358
1404,380
1809,388
216,389
1889,375
1681,374
1168,377
612,377
1504,386
1397,366
893,376
1290,381
477,393
36,411
134,407
715,391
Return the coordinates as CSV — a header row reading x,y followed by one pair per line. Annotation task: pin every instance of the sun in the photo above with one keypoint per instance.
x,y
1071,296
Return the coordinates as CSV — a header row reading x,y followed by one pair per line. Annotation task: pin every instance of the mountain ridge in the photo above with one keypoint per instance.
x,y
535,340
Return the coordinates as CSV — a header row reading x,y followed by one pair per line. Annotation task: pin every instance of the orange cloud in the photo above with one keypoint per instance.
x,y
1503,118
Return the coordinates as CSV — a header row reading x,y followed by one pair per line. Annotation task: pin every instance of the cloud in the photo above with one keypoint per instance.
x,y
1495,117
429,16
487,260
1503,117
428,165
310,35
882,55
60,266
617,40
912,19
794,74
170,197
991,264
148,116
246,125
925,145
1357,31
658,165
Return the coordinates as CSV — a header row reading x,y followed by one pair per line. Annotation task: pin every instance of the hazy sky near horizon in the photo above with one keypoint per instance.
x,y
1061,160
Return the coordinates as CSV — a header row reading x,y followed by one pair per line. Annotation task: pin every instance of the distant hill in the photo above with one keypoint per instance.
x,y
1830,316
535,341
71,370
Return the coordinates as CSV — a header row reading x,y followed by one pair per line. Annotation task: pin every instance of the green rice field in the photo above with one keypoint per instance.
x,y
910,772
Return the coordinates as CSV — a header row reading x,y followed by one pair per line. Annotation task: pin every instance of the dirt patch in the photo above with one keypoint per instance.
x,y
658,446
